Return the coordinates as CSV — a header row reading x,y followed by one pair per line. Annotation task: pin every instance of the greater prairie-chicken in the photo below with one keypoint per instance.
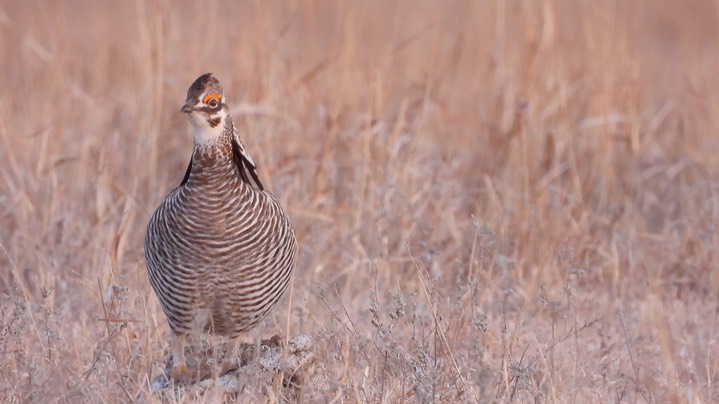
x,y
220,250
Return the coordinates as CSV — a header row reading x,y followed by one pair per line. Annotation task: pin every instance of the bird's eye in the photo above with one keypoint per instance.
x,y
213,103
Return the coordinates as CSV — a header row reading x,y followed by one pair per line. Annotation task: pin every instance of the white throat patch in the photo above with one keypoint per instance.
x,y
202,131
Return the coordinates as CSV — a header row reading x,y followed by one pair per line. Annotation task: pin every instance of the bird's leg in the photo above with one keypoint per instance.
x,y
230,361
180,371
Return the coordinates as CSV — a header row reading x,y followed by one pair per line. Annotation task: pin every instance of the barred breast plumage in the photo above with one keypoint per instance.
x,y
220,250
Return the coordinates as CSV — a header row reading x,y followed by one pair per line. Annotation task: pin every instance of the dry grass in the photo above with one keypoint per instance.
x,y
495,202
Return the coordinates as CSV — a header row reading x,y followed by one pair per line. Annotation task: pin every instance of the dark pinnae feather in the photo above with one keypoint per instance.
x,y
187,173
244,166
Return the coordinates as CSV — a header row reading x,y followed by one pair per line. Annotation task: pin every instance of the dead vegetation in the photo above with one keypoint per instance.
x,y
495,201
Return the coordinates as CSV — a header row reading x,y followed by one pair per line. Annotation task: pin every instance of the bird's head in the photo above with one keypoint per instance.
x,y
205,107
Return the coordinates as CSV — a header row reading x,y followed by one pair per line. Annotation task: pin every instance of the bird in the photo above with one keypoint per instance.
x,y
220,250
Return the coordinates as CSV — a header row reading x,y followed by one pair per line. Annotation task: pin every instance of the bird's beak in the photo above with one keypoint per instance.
x,y
187,108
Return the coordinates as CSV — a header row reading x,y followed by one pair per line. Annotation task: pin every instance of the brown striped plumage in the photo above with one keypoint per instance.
x,y
220,250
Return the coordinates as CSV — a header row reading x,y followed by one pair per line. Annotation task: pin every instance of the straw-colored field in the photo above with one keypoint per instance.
x,y
495,201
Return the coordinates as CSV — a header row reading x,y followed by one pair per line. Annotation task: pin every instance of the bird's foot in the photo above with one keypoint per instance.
x,y
227,365
181,374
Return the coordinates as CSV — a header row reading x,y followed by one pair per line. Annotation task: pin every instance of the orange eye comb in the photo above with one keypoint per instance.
x,y
210,96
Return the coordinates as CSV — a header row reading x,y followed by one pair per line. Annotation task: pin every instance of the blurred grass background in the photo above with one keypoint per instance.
x,y
495,201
